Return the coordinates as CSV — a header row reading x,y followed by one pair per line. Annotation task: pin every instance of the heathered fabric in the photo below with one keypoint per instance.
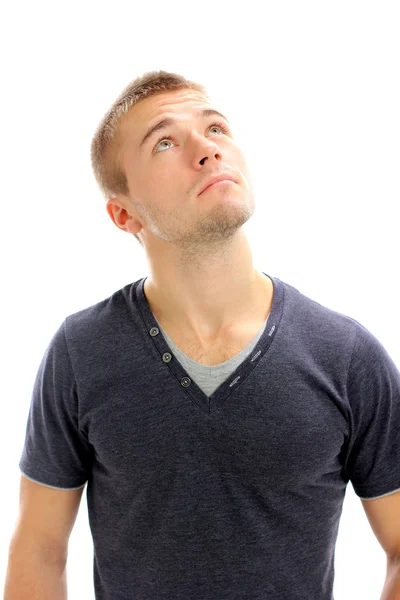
x,y
214,483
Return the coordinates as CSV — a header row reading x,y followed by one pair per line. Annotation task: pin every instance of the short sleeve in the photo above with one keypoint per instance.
x,y
373,388
55,453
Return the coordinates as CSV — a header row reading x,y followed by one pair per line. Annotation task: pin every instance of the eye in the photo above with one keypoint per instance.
x,y
220,126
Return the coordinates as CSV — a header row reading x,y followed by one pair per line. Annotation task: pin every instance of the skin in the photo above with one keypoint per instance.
x,y
202,277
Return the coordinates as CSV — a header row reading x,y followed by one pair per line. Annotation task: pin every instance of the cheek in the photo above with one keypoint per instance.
x,y
241,166
161,185
163,179
152,183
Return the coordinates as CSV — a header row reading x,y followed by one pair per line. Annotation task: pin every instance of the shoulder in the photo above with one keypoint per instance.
x,y
99,319
313,320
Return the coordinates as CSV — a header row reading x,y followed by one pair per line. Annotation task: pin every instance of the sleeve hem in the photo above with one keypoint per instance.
x,y
379,491
52,485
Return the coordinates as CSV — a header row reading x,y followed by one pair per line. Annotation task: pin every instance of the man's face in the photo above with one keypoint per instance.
x,y
168,170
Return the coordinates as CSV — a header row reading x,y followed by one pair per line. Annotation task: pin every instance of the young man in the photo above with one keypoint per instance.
x,y
216,413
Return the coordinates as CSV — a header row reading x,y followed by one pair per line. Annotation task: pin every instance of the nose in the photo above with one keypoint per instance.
x,y
217,156
209,150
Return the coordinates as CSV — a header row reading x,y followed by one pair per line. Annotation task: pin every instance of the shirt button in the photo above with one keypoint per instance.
x,y
167,357
185,381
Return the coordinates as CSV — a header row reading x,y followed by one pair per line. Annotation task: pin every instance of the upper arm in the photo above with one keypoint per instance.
x,y
384,517
46,517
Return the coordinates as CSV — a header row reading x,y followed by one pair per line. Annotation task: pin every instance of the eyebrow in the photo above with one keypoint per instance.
x,y
206,112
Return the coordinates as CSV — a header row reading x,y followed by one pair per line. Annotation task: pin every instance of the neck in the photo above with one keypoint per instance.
x,y
208,299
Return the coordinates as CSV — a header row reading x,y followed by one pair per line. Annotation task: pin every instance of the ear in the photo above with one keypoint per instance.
x,y
122,214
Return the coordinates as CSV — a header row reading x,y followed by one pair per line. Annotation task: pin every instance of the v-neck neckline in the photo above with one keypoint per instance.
x,y
209,404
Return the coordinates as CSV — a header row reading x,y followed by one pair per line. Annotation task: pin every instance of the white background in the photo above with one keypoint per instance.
x,y
312,92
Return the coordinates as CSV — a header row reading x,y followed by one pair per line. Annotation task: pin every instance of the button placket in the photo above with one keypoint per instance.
x,y
167,357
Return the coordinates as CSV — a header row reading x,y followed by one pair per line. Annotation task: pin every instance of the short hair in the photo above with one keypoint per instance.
x,y
106,142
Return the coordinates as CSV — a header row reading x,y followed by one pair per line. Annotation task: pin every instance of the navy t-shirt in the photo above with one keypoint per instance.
x,y
220,482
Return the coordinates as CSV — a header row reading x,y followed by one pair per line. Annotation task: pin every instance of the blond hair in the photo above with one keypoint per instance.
x,y
106,142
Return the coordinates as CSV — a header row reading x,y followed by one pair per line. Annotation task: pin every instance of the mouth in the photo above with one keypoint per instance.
x,y
220,179
217,184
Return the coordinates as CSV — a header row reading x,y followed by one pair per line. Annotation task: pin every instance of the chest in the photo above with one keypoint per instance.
x,y
219,350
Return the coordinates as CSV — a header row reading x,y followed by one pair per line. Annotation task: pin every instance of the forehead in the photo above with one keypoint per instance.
x,y
174,103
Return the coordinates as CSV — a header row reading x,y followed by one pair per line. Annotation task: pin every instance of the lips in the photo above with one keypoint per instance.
x,y
216,179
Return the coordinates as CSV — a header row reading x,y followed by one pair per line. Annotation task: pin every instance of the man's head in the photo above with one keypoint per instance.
x,y
152,182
